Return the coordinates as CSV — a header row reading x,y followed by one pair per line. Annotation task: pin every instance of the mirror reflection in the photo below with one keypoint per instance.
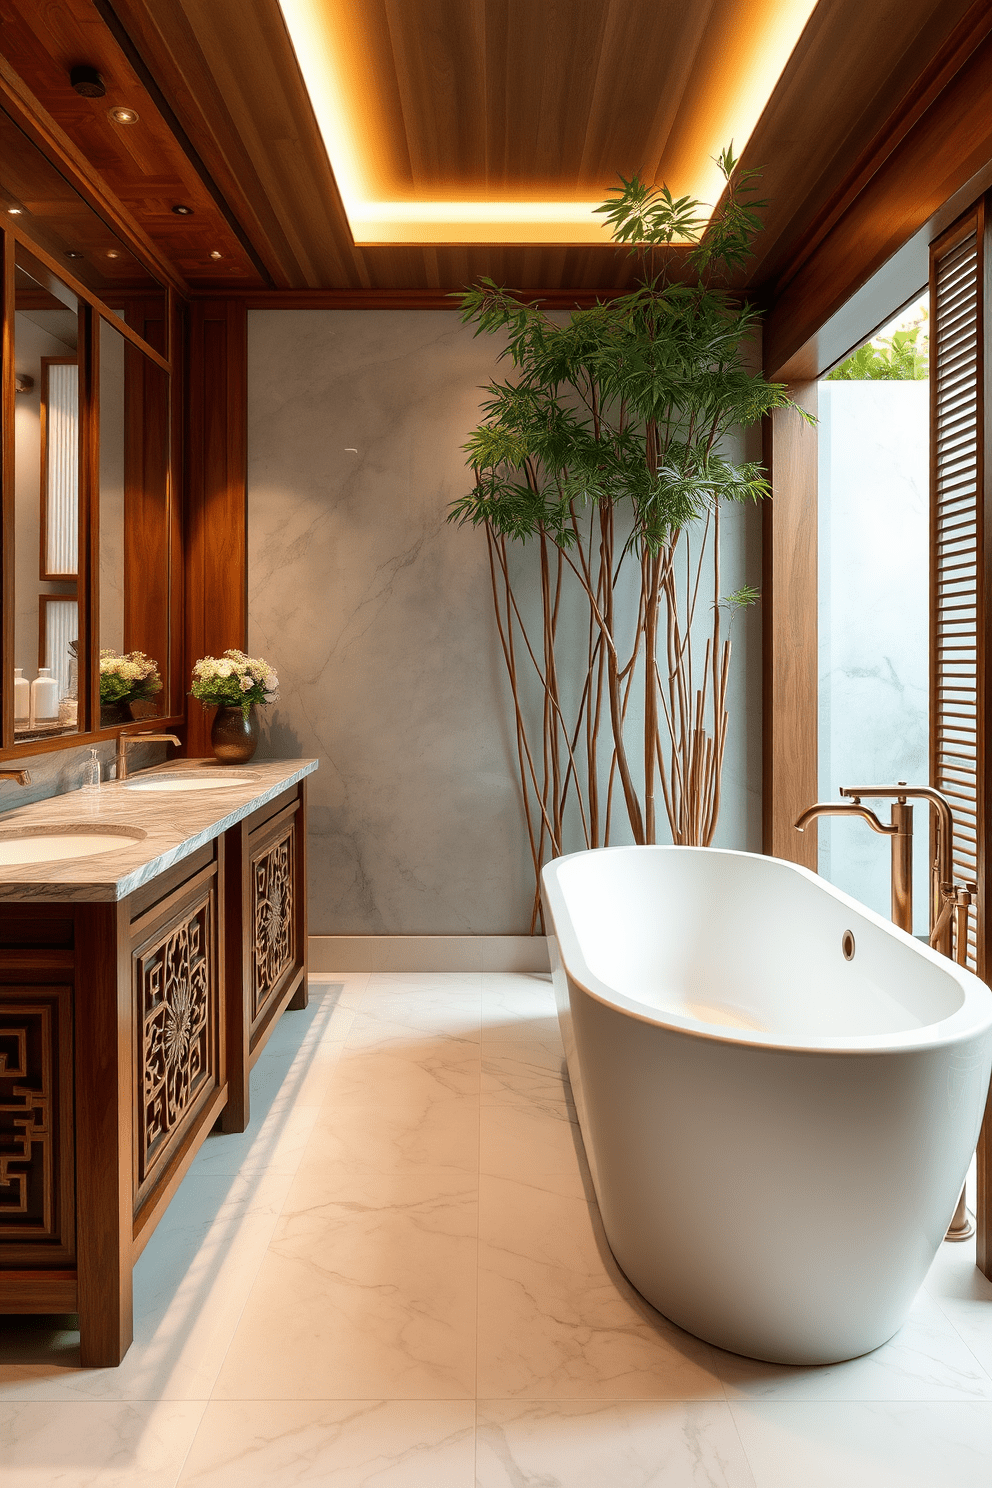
x,y
134,532
57,218
46,504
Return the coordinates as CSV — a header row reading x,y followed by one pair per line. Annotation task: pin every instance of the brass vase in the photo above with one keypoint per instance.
x,y
233,737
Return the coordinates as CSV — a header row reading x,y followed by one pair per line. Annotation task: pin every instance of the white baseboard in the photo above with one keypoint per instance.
x,y
428,953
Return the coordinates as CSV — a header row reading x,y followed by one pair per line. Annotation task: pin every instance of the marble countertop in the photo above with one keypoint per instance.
x,y
172,825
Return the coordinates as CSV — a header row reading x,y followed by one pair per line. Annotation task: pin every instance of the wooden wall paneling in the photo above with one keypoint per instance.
x,y
177,676
7,566
217,492
147,452
789,621
954,139
104,1117
88,590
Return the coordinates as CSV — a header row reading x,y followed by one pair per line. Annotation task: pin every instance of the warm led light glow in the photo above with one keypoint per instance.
x,y
738,75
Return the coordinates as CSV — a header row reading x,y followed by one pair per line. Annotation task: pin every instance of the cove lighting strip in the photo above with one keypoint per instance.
x,y
732,112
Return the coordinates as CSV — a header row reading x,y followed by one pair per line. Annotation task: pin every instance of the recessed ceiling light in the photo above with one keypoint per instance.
x,y
16,211
112,253
87,82
122,115
216,254
183,211
71,253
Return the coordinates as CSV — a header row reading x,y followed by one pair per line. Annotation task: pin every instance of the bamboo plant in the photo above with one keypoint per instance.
x,y
603,457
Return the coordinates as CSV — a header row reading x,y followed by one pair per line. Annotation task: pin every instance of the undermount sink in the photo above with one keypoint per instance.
x,y
183,782
55,844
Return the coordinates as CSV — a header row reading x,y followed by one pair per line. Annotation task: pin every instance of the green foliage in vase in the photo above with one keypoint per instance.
x,y
234,680
127,678
605,448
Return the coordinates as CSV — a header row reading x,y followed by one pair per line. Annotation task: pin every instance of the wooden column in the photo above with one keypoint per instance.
x,y
789,616
216,492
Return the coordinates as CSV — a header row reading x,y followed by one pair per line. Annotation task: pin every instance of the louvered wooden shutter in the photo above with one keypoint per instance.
x,y
958,600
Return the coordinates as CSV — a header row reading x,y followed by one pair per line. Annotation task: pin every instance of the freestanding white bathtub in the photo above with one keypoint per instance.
x,y
777,1135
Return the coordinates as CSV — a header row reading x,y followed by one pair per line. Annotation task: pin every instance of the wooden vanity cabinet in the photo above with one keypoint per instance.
x,y
266,935
125,1030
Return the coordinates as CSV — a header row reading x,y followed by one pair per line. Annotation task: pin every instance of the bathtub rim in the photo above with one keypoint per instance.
x,y
972,1019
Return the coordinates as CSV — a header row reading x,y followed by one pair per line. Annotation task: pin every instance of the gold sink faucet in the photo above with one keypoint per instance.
x,y
23,777
123,740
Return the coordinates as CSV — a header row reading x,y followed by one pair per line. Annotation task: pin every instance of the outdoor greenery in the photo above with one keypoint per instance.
x,y
605,454
902,357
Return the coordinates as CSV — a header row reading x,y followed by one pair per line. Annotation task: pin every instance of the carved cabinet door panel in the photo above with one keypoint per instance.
x,y
37,1190
175,981
274,921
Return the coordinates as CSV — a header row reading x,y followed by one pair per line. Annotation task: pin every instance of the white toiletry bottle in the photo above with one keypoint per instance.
x,y
91,772
22,698
45,697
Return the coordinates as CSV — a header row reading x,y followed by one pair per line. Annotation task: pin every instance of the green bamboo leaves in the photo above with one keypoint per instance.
x,y
609,454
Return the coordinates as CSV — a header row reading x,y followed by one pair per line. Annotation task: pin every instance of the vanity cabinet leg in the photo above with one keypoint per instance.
x,y
104,1101
237,1113
301,997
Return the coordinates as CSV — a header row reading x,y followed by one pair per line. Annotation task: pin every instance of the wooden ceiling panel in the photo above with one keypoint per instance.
x,y
141,162
537,97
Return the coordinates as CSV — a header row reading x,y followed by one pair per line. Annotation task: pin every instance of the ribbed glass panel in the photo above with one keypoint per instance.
x,y
61,627
62,469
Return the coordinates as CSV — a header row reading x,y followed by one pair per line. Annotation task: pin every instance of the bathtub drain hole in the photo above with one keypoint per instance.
x,y
847,945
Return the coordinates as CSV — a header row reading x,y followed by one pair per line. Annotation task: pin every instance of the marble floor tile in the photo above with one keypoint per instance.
x,y
527,1123
336,1444
926,1360
372,1296
868,1444
190,1288
558,1320
348,986
288,1086
964,1296
96,1445
629,1444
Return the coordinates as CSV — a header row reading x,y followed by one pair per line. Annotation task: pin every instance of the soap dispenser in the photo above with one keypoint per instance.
x,y
45,697
22,698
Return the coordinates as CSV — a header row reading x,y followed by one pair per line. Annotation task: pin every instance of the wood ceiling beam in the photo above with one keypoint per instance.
x,y
229,74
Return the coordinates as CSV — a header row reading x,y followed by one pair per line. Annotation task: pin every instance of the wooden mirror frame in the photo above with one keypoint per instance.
x,y
166,356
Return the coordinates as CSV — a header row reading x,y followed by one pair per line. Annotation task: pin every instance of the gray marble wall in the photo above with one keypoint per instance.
x,y
377,616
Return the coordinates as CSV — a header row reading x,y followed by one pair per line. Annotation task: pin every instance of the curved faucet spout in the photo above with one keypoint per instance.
x,y
843,808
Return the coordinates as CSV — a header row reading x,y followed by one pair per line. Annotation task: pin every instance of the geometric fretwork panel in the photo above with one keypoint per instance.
x,y
273,917
32,1208
176,1000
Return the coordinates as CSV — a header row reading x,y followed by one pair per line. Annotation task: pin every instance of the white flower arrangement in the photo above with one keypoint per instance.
x,y
234,680
128,678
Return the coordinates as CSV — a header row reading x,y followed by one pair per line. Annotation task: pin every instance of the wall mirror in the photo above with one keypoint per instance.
x,y
59,221
134,524
91,551
47,466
